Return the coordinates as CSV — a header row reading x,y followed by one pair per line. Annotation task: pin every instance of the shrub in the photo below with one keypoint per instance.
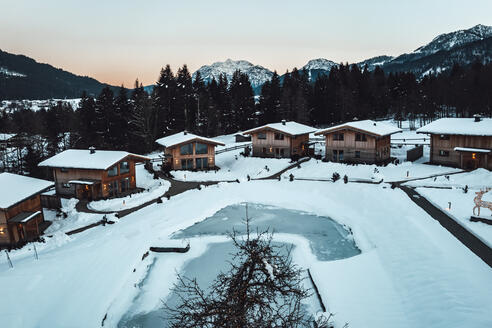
x,y
335,177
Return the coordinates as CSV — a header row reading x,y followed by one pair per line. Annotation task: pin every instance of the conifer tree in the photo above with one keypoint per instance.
x,y
105,118
164,98
86,114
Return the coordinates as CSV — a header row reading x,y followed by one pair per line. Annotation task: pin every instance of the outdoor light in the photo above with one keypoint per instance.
x,y
210,159
474,156
2,230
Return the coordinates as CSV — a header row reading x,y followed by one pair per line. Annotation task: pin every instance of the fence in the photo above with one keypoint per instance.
x,y
224,150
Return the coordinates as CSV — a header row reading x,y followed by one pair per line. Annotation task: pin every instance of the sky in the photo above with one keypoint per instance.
x,y
119,41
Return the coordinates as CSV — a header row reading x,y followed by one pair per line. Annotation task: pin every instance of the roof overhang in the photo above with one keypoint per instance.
x,y
24,217
84,182
268,128
348,127
472,150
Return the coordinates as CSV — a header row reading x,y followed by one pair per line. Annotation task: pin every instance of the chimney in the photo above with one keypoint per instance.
x,y
92,149
185,132
283,122
477,117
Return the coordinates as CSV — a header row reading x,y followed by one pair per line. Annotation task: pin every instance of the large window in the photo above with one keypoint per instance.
x,y
186,149
202,163
338,136
201,148
124,167
125,185
360,137
113,171
261,135
279,136
187,164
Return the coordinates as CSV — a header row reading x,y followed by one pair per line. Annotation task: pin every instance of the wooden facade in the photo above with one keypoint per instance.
x,y
475,152
16,232
191,155
94,184
271,142
357,146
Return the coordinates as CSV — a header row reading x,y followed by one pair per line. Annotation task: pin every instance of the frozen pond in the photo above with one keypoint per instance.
x,y
328,241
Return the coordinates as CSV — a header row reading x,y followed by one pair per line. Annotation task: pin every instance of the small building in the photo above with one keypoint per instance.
x,y
91,174
460,142
6,140
359,142
21,214
242,138
281,140
186,151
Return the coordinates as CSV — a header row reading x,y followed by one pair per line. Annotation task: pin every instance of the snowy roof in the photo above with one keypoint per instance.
x,y
292,128
24,217
18,188
369,126
6,136
460,126
184,137
83,159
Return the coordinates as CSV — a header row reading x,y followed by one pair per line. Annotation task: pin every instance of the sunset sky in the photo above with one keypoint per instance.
x,y
118,41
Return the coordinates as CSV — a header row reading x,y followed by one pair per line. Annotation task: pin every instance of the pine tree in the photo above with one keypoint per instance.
x,y
183,115
86,114
120,130
105,119
163,99
242,103
141,124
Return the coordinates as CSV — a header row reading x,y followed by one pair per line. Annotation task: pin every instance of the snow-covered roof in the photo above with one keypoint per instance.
x,y
24,217
460,126
473,150
185,137
368,126
83,159
291,128
15,188
6,136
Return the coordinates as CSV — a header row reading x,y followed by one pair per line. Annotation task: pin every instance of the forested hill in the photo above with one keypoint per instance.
x,y
22,77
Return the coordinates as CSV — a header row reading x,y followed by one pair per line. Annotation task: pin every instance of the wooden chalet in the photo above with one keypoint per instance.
x,y
90,174
281,140
359,142
186,151
21,214
460,142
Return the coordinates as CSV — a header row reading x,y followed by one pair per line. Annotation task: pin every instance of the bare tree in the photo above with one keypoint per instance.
x,y
262,288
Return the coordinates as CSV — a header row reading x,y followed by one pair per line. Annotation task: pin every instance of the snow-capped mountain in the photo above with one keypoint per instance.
x,y
455,39
320,63
257,74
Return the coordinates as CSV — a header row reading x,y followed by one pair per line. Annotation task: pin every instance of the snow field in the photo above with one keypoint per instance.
x,y
411,272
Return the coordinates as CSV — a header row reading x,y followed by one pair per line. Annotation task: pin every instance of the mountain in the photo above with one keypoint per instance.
x,y
22,77
463,47
257,74
318,66
374,61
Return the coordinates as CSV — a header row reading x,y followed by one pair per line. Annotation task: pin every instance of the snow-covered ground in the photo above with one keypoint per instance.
x,y
36,105
411,271
315,169
153,188
479,178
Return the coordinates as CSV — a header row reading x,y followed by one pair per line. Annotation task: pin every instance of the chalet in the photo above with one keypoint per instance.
x,y
91,174
359,142
21,214
460,142
6,140
282,140
186,151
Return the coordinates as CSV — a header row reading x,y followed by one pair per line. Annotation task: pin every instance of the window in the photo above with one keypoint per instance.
x,y
340,155
201,148
125,184
279,136
338,136
444,153
360,137
262,135
66,185
187,164
113,171
357,154
124,167
64,169
264,151
186,149
444,137
201,163
335,155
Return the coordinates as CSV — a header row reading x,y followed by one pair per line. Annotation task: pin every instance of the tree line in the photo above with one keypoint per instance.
x,y
133,119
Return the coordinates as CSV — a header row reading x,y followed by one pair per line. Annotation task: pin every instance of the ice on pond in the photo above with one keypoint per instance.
x,y
329,240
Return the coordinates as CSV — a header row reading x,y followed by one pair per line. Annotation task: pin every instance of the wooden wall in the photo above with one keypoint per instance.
x,y
176,156
10,235
455,158
373,150
291,145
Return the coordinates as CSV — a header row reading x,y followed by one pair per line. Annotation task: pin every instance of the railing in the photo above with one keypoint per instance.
x,y
224,150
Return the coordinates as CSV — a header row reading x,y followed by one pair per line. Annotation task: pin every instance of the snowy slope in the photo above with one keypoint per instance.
x,y
320,63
